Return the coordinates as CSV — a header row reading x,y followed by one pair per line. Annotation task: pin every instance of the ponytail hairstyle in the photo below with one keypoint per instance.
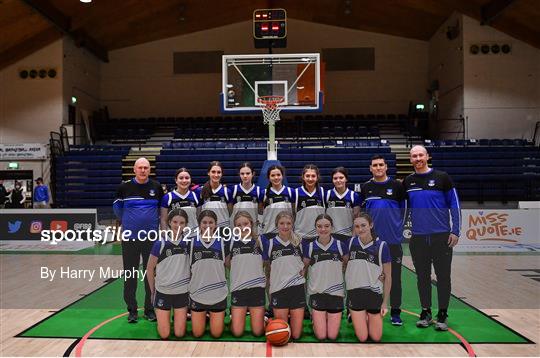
x,y
324,216
206,191
182,170
248,165
369,219
314,168
177,212
206,213
295,239
273,167
341,170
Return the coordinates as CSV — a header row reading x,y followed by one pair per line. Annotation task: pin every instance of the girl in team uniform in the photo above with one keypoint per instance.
x,y
276,198
245,196
368,278
169,263
215,196
342,204
283,257
309,203
181,198
208,286
325,258
247,277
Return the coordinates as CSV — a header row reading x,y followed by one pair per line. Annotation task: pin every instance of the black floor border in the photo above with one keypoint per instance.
x,y
233,341
528,341
70,349
64,308
483,313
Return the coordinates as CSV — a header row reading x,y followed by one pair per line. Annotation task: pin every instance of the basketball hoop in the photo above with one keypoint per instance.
x,y
270,107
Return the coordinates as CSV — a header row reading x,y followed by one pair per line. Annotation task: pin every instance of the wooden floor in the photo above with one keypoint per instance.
x,y
484,281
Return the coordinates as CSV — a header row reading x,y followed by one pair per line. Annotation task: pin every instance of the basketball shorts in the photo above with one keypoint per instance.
x,y
164,301
200,307
290,297
361,299
250,297
326,302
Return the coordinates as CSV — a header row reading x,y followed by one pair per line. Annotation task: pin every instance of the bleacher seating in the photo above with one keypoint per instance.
x,y
88,176
490,169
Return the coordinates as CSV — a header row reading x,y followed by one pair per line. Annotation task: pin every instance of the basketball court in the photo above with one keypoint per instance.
x,y
66,298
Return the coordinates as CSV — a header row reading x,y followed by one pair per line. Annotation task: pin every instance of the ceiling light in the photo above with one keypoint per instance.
x,y
86,1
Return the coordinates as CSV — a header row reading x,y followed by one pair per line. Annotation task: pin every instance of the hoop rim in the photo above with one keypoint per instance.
x,y
273,100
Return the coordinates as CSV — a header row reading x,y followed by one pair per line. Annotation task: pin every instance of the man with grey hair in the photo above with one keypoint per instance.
x,y
137,207
436,220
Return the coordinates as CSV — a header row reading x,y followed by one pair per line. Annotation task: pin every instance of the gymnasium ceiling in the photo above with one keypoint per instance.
x,y
105,25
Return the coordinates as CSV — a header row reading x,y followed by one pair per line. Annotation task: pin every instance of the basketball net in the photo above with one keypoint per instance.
x,y
270,108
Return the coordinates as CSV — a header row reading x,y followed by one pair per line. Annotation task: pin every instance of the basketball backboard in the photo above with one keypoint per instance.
x,y
296,77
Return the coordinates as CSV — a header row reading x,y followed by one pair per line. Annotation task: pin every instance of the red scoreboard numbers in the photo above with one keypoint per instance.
x,y
270,27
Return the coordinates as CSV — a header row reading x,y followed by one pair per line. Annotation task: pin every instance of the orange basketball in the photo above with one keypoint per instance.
x,y
278,332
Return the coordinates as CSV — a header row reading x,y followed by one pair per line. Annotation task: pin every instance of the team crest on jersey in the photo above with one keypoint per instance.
x,y
270,201
168,252
238,198
160,302
152,192
389,191
431,182
331,204
198,255
303,205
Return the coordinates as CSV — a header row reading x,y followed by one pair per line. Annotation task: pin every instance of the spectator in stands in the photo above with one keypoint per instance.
x,y
17,196
384,200
137,207
436,220
3,194
41,195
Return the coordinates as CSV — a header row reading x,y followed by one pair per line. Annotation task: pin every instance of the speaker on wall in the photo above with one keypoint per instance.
x,y
490,48
41,73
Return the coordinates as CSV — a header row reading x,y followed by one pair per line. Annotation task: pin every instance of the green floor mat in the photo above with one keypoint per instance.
x,y
106,302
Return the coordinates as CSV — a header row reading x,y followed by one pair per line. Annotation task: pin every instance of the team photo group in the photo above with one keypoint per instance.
x,y
287,252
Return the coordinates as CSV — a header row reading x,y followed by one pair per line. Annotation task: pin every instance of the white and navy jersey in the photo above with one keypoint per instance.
x,y
385,202
285,263
246,200
246,265
217,202
340,208
188,202
325,273
208,284
365,264
275,202
308,207
172,269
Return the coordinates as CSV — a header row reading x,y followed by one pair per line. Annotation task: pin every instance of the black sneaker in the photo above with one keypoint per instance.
x,y
268,314
133,317
425,319
442,322
150,315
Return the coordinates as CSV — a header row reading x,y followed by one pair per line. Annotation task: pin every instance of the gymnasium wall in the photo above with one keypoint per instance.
x,y
31,108
139,80
81,79
446,67
501,92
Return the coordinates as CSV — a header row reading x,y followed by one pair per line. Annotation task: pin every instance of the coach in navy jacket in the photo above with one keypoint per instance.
x,y
435,216
137,207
